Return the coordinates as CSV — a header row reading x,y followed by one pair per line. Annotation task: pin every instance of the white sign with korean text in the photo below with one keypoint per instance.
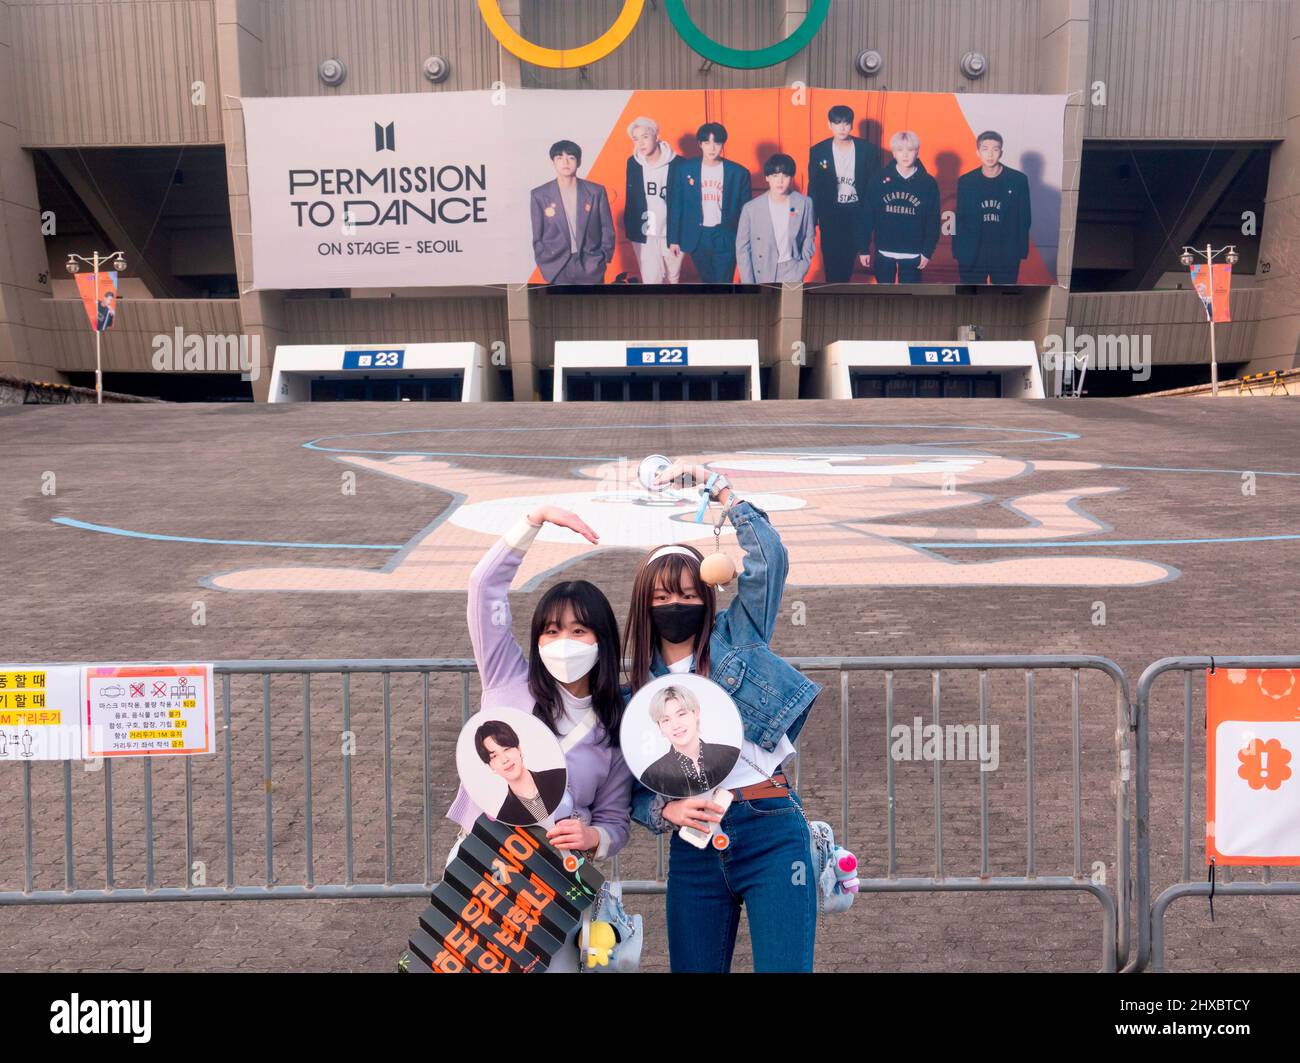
x,y
148,710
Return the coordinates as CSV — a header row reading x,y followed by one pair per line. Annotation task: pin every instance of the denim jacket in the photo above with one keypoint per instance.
x,y
773,696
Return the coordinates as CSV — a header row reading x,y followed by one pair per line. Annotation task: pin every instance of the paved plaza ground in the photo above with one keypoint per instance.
x,y
1129,529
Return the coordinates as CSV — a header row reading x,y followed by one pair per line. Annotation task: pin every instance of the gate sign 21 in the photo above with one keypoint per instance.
x,y
939,356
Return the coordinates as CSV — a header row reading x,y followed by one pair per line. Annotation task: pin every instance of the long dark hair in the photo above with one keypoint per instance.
x,y
591,609
640,632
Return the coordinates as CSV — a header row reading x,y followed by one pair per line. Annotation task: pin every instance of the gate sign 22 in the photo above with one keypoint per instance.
x,y
939,355
372,359
644,356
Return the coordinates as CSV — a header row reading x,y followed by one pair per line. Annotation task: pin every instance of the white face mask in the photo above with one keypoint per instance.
x,y
568,659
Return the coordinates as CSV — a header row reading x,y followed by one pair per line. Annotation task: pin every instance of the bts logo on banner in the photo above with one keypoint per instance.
x,y
1215,290
1252,803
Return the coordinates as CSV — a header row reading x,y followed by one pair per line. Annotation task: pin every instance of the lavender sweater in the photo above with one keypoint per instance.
x,y
599,781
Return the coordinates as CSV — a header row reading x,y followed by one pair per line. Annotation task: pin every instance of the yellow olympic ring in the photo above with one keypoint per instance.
x,y
560,58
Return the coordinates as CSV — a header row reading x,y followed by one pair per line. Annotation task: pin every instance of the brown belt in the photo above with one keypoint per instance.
x,y
777,786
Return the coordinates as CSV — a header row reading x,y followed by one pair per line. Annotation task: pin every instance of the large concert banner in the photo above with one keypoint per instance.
x,y
654,187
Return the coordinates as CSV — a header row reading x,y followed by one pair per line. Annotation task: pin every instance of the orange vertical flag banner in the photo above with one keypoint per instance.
x,y
100,300
1221,280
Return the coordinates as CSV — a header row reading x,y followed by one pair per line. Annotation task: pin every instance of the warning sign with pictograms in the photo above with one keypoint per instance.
x,y
136,710
40,717
1252,801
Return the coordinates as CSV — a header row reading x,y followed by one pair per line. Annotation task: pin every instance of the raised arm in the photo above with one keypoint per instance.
x,y
487,610
498,656
752,616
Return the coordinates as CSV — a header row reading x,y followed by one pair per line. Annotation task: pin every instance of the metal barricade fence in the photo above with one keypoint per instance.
x,y
304,845
1114,904
1151,915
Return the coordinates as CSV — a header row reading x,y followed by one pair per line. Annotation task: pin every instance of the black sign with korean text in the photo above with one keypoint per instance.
x,y
506,903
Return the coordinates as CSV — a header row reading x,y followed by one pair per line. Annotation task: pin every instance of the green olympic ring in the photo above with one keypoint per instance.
x,y
743,58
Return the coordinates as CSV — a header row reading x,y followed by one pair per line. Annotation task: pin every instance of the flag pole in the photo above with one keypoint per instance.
x,y
99,376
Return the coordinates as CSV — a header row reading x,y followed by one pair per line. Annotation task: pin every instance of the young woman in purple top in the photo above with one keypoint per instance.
x,y
569,679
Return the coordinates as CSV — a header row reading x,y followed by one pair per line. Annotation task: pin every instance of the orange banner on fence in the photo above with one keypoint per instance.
x,y
1252,800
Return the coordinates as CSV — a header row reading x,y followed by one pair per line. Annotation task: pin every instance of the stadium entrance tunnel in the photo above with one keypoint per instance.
x,y
658,387
926,386
656,371
854,369
417,372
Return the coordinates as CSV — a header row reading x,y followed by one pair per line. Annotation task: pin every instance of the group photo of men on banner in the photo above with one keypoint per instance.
x,y
751,186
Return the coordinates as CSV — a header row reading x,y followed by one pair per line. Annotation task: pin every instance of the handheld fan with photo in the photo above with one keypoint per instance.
x,y
681,736
512,767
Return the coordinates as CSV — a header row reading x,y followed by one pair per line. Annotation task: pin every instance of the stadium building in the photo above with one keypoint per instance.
x,y
129,128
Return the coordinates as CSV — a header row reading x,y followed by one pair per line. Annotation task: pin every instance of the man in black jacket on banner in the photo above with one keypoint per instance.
x,y
839,171
993,218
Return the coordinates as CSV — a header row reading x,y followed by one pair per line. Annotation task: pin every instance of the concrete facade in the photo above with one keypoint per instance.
x,y
79,76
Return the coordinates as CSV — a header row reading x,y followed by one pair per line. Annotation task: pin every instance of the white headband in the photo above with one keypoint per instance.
x,y
664,551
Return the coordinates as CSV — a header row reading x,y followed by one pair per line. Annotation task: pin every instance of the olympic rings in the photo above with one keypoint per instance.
x,y
701,43
741,58
560,58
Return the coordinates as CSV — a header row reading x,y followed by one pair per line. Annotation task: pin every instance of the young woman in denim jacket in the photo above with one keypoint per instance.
x,y
672,627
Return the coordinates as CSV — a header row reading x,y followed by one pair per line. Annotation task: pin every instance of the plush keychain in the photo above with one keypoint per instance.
x,y
717,569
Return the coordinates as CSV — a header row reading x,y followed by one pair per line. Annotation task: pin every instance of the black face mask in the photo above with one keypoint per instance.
x,y
679,622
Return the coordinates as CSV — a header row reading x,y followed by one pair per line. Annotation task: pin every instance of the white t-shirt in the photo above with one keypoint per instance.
x,y
575,710
573,725
570,197
845,157
745,774
711,193
781,227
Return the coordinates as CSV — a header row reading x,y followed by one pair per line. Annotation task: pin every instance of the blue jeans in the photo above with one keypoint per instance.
x,y
759,869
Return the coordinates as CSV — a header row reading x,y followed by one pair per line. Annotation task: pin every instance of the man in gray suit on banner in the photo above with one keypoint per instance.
x,y
775,241
573,229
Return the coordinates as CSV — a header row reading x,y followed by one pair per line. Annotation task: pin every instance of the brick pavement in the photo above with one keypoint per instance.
x,y
242,473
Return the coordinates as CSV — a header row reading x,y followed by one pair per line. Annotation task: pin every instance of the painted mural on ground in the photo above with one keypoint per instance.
x,y
848,519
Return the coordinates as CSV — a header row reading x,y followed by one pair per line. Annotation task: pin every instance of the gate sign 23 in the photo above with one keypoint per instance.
x,y
738,58
372,359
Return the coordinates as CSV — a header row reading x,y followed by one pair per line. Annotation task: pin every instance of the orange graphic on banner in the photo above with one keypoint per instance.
x,y
1252,811
1264,764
